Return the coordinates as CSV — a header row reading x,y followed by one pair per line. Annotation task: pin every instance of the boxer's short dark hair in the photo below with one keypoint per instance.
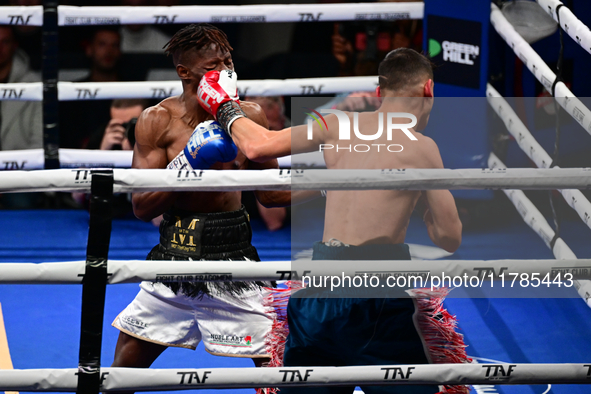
x,y
403,67
196,36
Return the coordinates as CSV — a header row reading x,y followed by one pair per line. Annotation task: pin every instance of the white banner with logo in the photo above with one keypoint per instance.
x,y
578,31
260,13
140,379
22,15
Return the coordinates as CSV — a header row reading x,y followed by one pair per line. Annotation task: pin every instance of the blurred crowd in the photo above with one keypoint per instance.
x,y
134,53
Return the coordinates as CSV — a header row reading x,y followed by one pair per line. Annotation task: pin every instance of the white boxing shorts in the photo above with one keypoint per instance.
x,y
234,326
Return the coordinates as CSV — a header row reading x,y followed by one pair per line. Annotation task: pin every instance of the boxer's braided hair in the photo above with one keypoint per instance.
x,y
196,36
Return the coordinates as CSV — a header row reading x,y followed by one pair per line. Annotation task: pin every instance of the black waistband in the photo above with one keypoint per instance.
x,y
205,235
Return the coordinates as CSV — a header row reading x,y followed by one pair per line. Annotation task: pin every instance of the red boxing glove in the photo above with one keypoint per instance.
x,y
218,95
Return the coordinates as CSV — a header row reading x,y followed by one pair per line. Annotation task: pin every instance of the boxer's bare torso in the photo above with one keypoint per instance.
x,y
360,217
163,131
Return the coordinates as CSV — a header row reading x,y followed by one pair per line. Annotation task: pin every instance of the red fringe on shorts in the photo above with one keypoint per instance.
x,y
436,324
438,328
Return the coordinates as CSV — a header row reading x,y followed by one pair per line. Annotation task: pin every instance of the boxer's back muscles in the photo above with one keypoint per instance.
x,y
382,216
162,132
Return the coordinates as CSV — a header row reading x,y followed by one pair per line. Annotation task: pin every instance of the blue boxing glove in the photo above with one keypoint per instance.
x,y
208,144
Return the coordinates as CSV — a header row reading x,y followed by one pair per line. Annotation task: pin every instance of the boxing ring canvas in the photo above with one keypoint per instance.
x,y
42,322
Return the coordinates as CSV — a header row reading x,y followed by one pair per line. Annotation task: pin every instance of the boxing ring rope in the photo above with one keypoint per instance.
x,y
540,69
71,91
95,271
536,221
135,271
140,180
76,16
534,150
574,198
578,31
32,159
39,380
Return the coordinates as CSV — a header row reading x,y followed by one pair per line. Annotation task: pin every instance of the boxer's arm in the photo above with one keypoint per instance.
x,y
218,95
267,198
147,154
441,216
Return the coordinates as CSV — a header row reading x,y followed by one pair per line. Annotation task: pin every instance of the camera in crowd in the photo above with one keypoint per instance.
x,y
129,133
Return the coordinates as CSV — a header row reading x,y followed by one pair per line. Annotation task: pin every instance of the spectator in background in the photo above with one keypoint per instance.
x,y
21,121
141,38
78,119
274,218
118,134
104,53
358,47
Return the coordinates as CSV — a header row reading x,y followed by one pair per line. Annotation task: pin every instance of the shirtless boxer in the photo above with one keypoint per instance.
x,y
228,317
359,225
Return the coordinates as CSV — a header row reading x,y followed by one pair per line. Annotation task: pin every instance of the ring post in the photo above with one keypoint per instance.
x,y
456,35
94,284
51,140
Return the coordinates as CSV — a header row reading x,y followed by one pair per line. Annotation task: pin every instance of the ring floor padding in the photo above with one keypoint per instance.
x,y
43,321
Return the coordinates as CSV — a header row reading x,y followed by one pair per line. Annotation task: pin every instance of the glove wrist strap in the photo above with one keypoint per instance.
x,y
228,113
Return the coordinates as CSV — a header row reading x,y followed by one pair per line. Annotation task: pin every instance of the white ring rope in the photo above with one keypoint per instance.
x,y
578,31
134,271
22,15
72,91
534,150
136,180
540,69
76,16
142,379
33,159
536,221
71,15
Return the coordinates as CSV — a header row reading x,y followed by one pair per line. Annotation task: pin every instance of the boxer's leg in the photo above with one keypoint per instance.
x,y
133,352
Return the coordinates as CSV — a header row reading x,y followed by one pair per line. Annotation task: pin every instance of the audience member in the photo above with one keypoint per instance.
x,y
104,52
78,119
29,37
21,121
118,134
21,124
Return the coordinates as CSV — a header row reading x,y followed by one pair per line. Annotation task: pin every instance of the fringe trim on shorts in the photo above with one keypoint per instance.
x,y
438,328
277,301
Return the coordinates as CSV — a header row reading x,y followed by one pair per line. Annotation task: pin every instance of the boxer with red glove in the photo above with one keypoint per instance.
x,y
218,95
